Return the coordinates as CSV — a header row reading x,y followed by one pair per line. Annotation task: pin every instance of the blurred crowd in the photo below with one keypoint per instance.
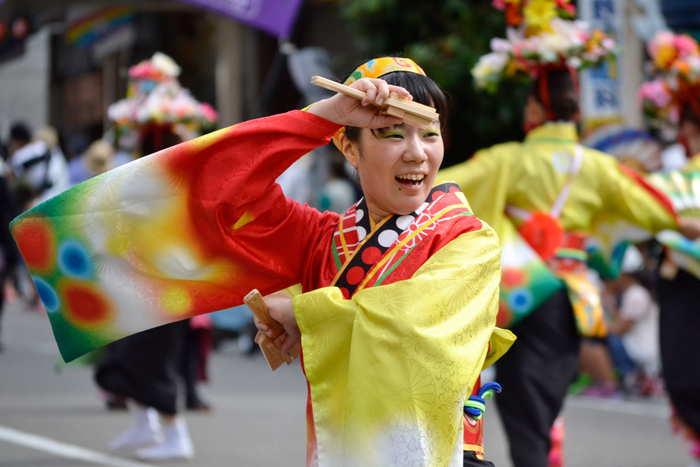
x,y
150,372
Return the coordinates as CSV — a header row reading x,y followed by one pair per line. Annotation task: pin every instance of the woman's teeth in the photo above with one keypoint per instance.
x,y
413,179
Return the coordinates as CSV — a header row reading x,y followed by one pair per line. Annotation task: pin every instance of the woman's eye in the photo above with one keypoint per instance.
x,y
431,134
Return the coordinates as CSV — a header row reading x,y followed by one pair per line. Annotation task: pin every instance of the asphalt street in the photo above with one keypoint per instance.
x,y
52,415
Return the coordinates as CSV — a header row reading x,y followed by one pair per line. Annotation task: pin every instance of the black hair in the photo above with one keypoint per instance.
x,y
563,95
689,114
20,132
423,89
156,138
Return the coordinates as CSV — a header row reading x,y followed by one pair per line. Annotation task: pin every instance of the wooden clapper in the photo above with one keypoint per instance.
x,y
270,346
411,112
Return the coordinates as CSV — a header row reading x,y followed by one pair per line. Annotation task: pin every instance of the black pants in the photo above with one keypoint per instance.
x,y
535,374
470,460
679,333
146,366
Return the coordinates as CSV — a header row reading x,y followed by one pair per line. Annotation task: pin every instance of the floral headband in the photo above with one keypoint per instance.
x,y
377,68
541,35
676,61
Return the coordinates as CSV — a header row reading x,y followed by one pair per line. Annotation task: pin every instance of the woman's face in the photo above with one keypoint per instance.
x,y
397,166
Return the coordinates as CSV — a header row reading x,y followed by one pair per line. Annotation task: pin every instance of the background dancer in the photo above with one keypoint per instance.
x,y
676,92
151,366
555,191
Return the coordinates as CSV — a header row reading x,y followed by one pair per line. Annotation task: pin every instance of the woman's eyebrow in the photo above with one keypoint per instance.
x,y
389,128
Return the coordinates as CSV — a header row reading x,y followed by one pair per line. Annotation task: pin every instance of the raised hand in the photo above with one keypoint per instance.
x,y
348,111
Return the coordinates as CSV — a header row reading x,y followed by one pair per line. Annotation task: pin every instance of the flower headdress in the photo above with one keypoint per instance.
x,y
676,62
541,35
155,97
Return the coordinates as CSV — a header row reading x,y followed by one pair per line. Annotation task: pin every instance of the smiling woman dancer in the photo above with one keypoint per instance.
x,y
397,318
401,292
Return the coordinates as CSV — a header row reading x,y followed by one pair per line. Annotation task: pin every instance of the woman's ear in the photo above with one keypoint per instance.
x,y
349,150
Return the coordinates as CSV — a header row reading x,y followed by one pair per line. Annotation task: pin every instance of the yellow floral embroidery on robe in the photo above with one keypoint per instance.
x,y
394,364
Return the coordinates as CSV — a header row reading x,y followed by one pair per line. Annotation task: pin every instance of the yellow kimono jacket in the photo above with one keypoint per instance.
x,y
530,175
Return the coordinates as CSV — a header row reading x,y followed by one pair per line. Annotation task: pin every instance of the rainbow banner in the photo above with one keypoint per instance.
x,y
88,29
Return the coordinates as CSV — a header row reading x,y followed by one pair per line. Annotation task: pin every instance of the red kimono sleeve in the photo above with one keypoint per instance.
x,y
241,213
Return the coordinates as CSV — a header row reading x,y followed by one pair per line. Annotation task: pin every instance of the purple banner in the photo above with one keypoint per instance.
x,y
275,17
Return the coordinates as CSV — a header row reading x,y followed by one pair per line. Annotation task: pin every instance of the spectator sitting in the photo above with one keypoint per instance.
x,y
633,334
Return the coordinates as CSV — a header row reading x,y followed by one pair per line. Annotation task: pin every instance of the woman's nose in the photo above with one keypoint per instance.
x,y
415,151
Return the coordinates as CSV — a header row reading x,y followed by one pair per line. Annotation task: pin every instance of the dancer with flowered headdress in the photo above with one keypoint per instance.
x,y
544,196
148,367
672,98
157,104
400,294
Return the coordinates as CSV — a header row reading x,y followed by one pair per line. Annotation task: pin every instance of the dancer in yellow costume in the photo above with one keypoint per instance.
x,y
553,191
674,98
394,341
512,181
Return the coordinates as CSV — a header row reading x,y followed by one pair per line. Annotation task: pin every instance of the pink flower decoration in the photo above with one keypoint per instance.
x,y
517,50
566,6
685,45
656,92
499,4
208,112
142,70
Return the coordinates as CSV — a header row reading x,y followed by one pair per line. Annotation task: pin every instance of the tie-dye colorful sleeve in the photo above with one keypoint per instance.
x,y
188,230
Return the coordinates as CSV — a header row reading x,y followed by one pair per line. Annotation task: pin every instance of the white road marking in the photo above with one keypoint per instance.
x,y
57,448
646,409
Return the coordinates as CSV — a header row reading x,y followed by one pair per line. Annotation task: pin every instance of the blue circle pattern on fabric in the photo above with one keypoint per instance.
x,y
47,294
520,300
74,260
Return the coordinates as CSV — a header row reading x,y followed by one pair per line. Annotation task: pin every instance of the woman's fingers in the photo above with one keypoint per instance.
x,y
378,90
262,327
346,110
382,92
292,339
371,91
400,91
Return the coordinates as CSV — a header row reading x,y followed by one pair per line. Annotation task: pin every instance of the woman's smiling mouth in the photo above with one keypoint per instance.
x,y
410,180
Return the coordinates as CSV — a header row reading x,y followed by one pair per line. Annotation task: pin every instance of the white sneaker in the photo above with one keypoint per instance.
x,y
176,444
144,431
